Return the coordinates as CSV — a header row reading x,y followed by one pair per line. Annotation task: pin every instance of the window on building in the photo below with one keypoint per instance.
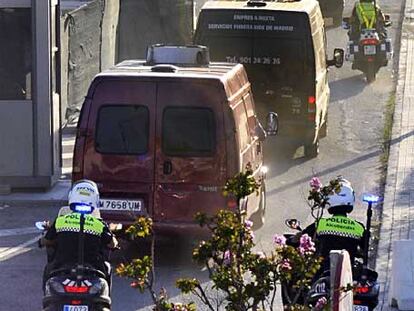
x,y
15,53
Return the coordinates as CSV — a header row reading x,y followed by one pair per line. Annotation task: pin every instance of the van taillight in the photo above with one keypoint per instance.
x,y
311,108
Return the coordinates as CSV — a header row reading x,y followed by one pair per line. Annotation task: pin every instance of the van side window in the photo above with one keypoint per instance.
x,y
188,132
122,129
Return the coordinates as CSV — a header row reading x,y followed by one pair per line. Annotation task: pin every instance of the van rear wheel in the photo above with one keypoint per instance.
x,y
258,217
312,150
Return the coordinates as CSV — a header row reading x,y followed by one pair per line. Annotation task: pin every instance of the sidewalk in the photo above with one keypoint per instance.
x,y
398,216
57,195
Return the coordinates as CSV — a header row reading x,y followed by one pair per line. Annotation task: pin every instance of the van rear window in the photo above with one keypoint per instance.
x,y
188,132
122,129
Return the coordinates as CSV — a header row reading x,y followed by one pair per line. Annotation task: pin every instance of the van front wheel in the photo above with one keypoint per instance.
x,y
312,150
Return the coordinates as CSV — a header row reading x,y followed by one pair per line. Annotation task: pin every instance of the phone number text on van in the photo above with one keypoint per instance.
x,y
254,60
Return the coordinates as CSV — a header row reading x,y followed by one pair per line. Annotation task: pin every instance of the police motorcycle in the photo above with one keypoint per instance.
x,y
320,288
76,288
365,280
370,52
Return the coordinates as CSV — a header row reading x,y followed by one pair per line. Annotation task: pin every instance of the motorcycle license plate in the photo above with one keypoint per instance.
x,y
370,49
75,308
360,308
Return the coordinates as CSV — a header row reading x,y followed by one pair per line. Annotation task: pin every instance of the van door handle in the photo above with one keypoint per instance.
x,y
167,167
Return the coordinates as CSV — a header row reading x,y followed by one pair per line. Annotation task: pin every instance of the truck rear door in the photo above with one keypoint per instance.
x,y
190,167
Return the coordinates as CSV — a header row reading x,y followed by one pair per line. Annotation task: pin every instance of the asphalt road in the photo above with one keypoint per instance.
x,y
352,148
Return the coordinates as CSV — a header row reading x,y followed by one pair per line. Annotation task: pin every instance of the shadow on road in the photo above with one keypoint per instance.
x,y
281,154
339,166
349,87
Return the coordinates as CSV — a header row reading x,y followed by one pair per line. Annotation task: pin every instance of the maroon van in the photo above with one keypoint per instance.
x,y
162,139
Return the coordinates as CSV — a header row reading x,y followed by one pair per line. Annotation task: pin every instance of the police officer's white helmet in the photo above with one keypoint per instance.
x,y
84,192
345,197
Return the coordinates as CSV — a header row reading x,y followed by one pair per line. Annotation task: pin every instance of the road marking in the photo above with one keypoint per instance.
x,y
67,155
68,142
18,231
11,252
66,170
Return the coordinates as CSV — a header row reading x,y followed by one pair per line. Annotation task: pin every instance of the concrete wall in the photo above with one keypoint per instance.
x,y
83,27
104,32
147,22
109,34
88,37
16,139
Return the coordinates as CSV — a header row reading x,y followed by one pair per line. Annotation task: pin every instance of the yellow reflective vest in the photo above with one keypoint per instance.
x,y
340,226
366,13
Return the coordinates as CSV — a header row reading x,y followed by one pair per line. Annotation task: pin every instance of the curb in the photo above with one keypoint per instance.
x,y
390,211
33,203
56,196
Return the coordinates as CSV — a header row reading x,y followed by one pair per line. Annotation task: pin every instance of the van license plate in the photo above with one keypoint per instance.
x,y
370,49
360,308
121,205
75,308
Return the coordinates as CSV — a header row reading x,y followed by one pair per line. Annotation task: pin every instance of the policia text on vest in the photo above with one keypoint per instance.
x,y
341,226
71,223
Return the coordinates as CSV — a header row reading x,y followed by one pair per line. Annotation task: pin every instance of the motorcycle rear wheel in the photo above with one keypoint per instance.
x,y
370,74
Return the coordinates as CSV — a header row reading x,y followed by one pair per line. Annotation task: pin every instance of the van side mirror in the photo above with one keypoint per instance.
x,y
272,124
338,59
345,23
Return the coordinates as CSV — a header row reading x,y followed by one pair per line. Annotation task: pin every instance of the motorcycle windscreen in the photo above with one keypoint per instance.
x,y
190,151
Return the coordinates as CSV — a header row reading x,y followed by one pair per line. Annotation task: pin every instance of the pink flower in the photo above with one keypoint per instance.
x,y
279,240
261,255
306,246
286,264
321,303
248,224
227,258
315,183
251,234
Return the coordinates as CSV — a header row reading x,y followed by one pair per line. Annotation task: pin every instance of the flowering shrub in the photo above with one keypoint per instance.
x,y
318,195
246,279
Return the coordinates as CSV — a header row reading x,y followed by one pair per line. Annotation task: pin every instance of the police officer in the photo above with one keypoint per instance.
x,y
338,231
63,235
366,15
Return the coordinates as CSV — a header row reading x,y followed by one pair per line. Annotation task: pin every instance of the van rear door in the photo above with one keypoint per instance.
x,y
119,149
274,46
190,155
